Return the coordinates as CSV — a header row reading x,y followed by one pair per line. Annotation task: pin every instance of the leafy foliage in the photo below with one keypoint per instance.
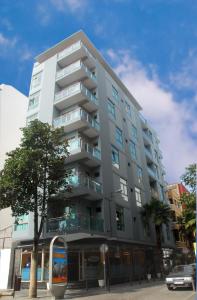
x,y
35,171
32,175
156,210
188,200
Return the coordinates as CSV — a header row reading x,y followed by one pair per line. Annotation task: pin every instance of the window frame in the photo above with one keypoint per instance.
x,y
119,136
115,163
120,224
33,97
138,196
124,189
111,108
115,93
133,150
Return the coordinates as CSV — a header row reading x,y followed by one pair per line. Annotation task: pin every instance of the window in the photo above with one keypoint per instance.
x,y
138,197
31,118
115,93
139,174
124,189
33,101
115,157
21,223
120,218
128,109
111,108
132,150
134,132
118,136
36,80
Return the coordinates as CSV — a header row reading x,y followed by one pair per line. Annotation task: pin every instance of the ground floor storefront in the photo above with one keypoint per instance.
x,y
121,262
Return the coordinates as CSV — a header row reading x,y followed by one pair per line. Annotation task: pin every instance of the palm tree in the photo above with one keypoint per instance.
x,y
159,213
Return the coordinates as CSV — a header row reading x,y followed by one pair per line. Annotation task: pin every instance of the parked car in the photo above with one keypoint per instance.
x,y
182,276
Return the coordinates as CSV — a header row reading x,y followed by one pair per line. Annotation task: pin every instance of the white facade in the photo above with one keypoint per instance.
x,y
13,109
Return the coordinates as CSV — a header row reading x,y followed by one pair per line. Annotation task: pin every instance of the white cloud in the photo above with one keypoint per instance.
x,y
14,47
7,42
43,14
168,117
72,5
186,77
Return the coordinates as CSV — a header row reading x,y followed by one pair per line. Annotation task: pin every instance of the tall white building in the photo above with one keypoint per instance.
x,y
115,161
13,109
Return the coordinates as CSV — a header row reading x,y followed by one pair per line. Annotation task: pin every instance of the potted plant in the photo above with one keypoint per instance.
x,y
100,275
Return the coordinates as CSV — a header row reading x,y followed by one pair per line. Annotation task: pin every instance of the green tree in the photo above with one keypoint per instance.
x,y
34,173
188,200
159,213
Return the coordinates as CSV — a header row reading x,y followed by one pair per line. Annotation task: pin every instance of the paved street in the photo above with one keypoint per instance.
x,y
144,291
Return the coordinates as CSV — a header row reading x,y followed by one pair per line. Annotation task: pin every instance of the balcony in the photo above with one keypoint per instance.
x,y
75,52
149,155
78,119
154,194
75,223
83,186
76,94
152,173
81,150
147,138
76,72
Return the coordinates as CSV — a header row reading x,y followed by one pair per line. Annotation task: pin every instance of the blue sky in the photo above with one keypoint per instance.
x,y
151,44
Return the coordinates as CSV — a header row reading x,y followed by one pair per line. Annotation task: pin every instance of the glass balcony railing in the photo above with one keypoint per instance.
x,y
148,153
74,116
73,223
75,89
74,67
73,48
147,136
82,180
152,172
78,145
69,50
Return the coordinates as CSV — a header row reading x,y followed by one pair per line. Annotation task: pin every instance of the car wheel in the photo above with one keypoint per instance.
x,y
170,288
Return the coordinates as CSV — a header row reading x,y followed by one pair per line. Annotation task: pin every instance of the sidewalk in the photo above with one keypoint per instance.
x,y
80,293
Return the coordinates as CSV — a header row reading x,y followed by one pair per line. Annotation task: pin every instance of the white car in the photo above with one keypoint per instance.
x,y
182,276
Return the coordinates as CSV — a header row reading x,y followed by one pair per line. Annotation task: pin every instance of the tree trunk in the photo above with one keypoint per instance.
x,y
33,272
158,230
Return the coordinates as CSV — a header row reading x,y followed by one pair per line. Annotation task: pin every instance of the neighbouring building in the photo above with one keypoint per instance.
x,y
13,110
115,161
174,192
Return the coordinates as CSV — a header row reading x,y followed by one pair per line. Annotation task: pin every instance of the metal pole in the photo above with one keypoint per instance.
x,y
104,266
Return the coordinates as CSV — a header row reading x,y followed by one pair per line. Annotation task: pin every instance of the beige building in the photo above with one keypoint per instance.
x,y
174,192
